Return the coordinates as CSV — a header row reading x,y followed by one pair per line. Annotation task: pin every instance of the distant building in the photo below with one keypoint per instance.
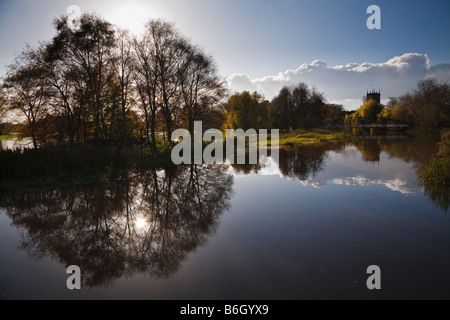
x,y
374,95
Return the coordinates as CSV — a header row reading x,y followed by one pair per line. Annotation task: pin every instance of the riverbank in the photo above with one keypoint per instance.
x,y
50,166
25,170
314,136
437,170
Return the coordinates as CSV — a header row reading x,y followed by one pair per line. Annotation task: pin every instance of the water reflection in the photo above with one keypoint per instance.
x,y
439,195
305,162
294,163
345,164
148,223
342,200
369,148
417,150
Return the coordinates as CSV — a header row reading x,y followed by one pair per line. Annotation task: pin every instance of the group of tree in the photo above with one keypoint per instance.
x,y
247,110
293,108
302,107
99,84
426,107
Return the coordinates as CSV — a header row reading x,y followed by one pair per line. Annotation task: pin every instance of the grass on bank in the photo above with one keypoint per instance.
x,y
298,138
8,137
437,170
315,136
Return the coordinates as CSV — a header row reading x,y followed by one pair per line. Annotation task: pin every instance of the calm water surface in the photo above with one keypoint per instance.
x,y
307,226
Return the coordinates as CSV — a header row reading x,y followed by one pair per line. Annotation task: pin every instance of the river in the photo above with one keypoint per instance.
x,y
307,226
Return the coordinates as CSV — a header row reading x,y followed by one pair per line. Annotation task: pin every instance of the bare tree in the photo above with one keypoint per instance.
x,y
27,91
2,104
145,79
431,103
96,77
201,89
169,53
123,59
61,81
87,50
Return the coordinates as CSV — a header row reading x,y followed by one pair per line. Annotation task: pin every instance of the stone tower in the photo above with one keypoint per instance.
x,y
374,95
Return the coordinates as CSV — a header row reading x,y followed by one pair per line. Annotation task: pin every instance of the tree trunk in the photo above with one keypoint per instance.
x,y
147,129
97,127
33,136
124,126
71,133
152,130
169,128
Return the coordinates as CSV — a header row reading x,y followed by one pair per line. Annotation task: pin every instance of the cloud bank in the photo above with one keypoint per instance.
x,y
347,84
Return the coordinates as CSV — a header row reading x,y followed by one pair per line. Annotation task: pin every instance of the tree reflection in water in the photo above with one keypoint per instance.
x,y
417,150
304,162
439,195
300,162
148,223
151,222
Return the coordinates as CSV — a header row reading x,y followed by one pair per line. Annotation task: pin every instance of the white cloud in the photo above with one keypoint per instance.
x,y
241,82
392,184
347,84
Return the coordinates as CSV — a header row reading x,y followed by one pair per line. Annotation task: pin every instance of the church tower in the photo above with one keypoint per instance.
x,y
374,95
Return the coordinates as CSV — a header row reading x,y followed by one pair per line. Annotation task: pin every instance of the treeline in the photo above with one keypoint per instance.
x,y
426,107
98,84
293,108
299,107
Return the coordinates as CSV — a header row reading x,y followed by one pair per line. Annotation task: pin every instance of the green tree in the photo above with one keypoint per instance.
x,y
245,110
333,112
370,109
280,111
396,110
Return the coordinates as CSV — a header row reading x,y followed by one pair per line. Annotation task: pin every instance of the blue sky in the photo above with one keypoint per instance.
x,y
261,44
